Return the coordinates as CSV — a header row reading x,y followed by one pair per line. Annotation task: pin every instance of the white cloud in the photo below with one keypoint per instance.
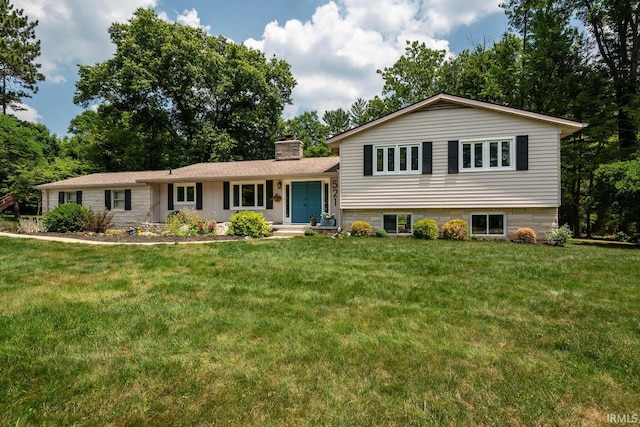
x,y
75,31
335,54
29,114
189,18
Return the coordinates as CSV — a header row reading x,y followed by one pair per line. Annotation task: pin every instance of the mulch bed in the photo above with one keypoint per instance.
x,y
127,238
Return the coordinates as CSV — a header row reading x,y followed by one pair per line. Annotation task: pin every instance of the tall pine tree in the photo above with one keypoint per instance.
x,y
19,49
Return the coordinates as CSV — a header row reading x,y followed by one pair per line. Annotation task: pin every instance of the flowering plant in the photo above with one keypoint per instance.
x,y
206,227
327,215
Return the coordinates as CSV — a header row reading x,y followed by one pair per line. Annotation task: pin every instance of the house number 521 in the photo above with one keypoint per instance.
x,y
334,191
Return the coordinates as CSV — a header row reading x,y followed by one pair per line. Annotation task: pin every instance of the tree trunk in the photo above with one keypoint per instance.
x,y
575,205
16,207
589,206
627,134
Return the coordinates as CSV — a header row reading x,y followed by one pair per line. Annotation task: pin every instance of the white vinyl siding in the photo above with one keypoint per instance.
x,y
539,186
93,198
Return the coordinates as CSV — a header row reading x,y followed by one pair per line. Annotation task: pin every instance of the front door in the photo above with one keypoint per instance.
x,y
306,200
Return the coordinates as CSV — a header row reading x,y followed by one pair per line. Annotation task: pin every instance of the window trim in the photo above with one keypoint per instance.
x,y
114,200
232,204
487,214
67,199
486,154
185,185
410,233
396,164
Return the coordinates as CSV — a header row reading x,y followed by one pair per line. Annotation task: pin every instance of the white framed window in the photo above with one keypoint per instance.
x,y
397,223
248,195
71,197
118,199
487,154
489,224
397,159
185,193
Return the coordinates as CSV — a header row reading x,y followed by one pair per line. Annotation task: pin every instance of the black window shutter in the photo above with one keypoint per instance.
x,y
79,197
427,158
368,160
199,196
226,194
269,194
107,199
170,197
127,200
453,156
60,197
522,152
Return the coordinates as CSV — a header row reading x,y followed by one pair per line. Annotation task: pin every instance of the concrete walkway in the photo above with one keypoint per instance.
x,y
95,242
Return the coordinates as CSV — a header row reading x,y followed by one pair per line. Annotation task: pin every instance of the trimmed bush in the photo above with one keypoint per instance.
x,y
426,228
65,218
97,222
361,229
455,229
249,223
526,235
559,236
310,232
381,232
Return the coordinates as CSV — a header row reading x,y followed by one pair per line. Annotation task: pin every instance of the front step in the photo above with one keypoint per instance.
x,y
289,230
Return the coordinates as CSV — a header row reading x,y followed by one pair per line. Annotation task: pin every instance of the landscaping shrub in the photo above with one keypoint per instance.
x,y
381,232
559,236
97,222
188,222
360,229
65,218
426,228
31,225
310,232
248,223
455,229
6,225
526,235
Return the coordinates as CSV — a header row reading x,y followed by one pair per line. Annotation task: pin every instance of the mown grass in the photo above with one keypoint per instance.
x,y
315,331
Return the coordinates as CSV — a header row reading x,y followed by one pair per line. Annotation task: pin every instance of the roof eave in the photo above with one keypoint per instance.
x,y
567,127
233,177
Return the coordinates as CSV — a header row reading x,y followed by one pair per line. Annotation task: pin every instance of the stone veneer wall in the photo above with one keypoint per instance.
x,y
539,219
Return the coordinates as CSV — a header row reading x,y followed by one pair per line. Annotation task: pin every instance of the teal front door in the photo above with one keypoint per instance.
x,y
306,200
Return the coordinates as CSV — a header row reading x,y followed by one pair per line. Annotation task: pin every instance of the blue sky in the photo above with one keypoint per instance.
x,y
334,47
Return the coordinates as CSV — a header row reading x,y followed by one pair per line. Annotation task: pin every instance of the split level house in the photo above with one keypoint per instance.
x,y
445,157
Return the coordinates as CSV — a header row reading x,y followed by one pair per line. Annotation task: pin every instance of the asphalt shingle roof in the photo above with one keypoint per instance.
x,y
312,166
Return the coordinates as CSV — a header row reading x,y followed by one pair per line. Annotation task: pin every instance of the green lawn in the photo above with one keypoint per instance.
x,y
315,331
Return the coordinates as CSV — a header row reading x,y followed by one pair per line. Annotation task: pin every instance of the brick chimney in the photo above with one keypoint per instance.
x,y
289,149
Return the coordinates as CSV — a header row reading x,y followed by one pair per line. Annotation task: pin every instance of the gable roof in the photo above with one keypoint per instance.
x,y
567,127
251,169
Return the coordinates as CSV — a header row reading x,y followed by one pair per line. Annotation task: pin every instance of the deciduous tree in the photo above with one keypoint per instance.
x,y
190,96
